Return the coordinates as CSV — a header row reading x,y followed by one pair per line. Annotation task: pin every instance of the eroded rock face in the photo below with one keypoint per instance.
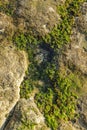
x,y
13,64
26,116
75,56
82,19
76,52
6,27
81,123
39,16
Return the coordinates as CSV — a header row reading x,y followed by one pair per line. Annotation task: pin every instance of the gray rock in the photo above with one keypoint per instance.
x,y
81,122
26,116
76,53
39,16
13,64
6,27
82,19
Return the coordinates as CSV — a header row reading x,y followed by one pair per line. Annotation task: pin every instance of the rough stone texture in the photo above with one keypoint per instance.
x,y
13,64
39,16
66,126
76,52
75,56
25,114
6,27
82,19
81,123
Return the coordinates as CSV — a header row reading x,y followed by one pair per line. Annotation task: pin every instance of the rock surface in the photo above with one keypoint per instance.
x,y
39,16
76,51
75,56
6,27
26,116
13,64
81,123
82,19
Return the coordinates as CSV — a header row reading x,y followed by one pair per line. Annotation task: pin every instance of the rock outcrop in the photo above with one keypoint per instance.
x,y
82,19
81,123
6,27
75,57
26,116
76,51
13,65
37,16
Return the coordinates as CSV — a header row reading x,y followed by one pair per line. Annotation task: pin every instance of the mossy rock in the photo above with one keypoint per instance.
x,y
39,17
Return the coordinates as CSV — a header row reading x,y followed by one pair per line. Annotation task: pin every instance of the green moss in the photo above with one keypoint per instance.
x,y
26,125
7,8
60,35
58,102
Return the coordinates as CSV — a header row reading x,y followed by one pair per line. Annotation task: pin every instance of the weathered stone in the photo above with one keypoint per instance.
x,y
26,116
6,27
13,64
82,19
39,16
76,53
66,126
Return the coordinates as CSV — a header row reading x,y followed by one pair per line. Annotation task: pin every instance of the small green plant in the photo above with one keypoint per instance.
x,y
7,8
26,125
58,102
60,35
20,41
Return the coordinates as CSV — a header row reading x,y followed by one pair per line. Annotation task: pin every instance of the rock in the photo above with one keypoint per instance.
x,y
82,19
75,57
82,111
38,16
13,64
26,116
76,54
41,55
81,122
66,126
6,27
